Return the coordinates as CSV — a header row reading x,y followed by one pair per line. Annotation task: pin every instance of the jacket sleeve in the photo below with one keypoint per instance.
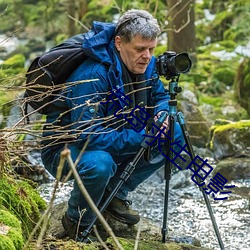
x,y
88,114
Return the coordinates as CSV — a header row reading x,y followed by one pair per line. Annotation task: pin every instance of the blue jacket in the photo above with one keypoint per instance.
x,y
87,118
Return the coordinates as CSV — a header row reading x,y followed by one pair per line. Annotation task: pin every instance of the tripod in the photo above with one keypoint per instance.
x,y
128,170
173,90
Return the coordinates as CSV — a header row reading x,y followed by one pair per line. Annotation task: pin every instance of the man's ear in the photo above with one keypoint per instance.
x,y
118,42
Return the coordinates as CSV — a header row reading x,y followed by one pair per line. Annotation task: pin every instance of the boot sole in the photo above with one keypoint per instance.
x,y
121,219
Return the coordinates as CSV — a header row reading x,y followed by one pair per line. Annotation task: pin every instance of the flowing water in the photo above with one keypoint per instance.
x,y
187,211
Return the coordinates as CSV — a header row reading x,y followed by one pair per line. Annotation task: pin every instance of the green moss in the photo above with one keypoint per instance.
x,y
16,61
225,75
9,219
128,244
214,101
236,125
221,133
16,237
13,239
21,199
6,243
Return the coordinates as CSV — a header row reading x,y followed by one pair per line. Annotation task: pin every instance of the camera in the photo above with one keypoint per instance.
x,y
171,65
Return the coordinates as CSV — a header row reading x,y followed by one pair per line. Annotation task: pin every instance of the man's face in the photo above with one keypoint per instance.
x,y
137,53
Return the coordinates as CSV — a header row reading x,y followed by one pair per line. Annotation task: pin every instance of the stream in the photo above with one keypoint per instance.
x,y
187,212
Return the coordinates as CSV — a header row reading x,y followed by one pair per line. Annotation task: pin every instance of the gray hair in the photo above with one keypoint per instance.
x,y
137,22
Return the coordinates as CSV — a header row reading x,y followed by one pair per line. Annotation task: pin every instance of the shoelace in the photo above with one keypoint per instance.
x,y
127,203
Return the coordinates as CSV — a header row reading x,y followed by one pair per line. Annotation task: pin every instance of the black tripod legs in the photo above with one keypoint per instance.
x,y
181,121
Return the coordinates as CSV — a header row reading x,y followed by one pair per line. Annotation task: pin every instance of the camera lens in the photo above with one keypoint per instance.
x,y
182,63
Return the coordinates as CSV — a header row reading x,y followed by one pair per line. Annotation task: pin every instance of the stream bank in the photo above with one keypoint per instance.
x,y
188,215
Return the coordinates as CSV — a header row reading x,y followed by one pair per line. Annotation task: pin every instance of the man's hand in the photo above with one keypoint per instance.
x,y
165,124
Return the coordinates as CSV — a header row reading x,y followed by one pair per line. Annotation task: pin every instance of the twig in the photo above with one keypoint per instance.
x,y
66,154
45,217
99,238
137,236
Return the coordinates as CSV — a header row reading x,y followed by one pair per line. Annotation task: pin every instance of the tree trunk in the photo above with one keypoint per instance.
x,y
181,27
83,7
71,6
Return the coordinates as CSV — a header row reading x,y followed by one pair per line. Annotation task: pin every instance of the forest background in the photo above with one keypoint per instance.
x,y
214,33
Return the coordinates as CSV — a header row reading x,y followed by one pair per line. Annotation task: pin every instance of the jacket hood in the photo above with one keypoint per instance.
x,y
98,43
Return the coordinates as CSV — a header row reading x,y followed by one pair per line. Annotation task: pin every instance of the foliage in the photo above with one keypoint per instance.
x,y
228,23
13,238
22,200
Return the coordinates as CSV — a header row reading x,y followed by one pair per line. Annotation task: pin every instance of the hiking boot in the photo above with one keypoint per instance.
x,y
75,231
121,211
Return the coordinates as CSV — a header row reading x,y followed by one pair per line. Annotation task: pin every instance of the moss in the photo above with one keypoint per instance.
x,y
128,244
9,219
13,71
21,199
16,61
225,75
214,101
221,132
13,239
6,243
236,125
242,84
16,237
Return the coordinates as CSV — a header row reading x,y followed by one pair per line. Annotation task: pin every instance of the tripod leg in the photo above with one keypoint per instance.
x,y
129,169
190,149
168,172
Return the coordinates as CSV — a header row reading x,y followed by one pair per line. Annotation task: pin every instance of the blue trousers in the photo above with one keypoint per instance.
x,y
99,171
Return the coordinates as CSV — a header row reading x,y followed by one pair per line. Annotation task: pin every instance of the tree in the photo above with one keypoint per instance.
x,y
181,27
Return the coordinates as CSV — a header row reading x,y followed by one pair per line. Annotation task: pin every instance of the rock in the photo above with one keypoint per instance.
x,y
234,168
231,139
190,97
197,125
149,238
180,179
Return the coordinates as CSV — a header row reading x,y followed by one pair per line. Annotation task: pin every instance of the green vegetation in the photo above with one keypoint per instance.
x,y
11,237
221,133
22,201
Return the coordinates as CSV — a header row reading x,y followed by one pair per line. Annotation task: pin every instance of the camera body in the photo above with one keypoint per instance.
x,y
171,65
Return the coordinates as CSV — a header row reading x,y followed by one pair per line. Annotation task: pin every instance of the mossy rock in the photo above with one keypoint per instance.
x,y
128,244
242,85
22,200
219,107
225,75
230,139
11,237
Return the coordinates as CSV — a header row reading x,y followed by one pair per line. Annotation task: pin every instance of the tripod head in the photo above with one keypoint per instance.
x,y
174,89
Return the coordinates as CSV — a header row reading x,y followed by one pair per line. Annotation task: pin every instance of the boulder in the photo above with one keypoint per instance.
x,y
197,125
149,238
234,168
231,139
